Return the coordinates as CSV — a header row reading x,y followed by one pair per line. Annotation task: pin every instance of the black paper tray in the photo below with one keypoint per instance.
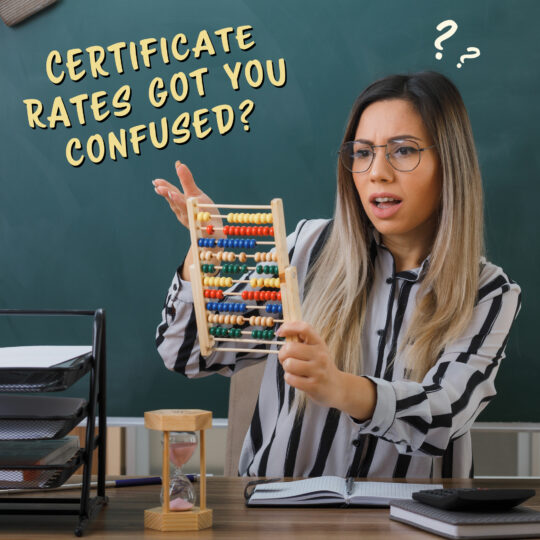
x,y
39,417
39,476
52,379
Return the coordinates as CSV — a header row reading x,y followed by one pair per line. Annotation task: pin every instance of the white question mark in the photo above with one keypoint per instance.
x,y
452,28
246,107
475,54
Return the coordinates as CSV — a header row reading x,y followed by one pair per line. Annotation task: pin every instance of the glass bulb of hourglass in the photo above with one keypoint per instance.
x,y
182,444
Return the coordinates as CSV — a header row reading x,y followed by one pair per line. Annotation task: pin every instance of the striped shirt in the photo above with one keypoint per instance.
x,y
418,429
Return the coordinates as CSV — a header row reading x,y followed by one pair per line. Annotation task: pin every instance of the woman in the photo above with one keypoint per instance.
x,y
405,322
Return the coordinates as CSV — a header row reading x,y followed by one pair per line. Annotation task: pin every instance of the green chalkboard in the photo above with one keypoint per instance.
x,y
96,235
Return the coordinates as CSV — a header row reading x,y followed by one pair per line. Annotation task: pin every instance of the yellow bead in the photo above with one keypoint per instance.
x,y
253,282
270,218
205,281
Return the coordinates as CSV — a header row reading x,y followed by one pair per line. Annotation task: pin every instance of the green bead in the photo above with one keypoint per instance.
x,y
276,270
266,270
253,334
259,269
211,268
270,334
244,268
237,333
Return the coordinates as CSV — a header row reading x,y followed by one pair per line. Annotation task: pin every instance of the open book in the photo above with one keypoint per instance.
x,y
332,490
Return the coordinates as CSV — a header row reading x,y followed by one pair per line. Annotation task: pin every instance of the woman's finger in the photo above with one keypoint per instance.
x,y
189,186
304,331
298,367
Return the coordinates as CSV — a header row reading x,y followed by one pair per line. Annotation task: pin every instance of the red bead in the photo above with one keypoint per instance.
x,y
237,231
279,296
271,231
249,231
245,295
220,294
206,293
226,229
274,295
266,231
260,232
210,229
257,295
213,293
269,295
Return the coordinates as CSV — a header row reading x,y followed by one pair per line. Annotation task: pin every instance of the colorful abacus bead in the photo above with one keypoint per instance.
x,y
213,293
262,334
208,268
203,216
274,308
210,229
248,243
207,242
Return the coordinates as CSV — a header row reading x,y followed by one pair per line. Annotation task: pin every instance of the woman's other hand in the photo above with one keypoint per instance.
x,y
175,197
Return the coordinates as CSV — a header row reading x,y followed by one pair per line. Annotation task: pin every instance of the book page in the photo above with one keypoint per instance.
x,y
40,356
385,491
300,488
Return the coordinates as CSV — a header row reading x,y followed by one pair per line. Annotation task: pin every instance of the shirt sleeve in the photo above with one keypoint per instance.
x,y
423,417
176,335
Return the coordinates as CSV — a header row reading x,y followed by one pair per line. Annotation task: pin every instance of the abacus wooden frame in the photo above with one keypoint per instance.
x,y
290,299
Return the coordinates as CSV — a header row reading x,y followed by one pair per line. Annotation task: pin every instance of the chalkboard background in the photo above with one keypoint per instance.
x,y
98,236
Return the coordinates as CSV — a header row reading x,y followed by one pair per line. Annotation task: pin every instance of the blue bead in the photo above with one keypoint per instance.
x,y
242,243
212,242
200,242
268,308
244,307
280,308
252,243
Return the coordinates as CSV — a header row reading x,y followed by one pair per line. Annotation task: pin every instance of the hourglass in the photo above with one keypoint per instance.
x,y
178,511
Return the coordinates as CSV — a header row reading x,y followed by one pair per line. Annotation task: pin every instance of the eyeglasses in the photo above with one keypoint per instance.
x,y
403,155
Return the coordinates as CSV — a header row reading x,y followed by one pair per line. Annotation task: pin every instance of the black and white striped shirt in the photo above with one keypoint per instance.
x,y
418,430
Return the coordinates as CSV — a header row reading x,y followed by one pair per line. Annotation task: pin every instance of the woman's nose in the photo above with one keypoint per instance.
x,y
381,170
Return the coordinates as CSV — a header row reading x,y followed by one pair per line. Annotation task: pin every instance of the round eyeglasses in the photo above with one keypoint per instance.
x,y
403,155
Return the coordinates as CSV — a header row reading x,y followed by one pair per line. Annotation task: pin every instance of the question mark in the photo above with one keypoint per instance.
x,y
474,50
247,107
452,28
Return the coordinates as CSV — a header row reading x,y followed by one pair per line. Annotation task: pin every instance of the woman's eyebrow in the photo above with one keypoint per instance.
x,y
394,138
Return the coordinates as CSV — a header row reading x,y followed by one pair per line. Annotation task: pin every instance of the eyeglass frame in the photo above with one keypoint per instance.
x,y
386,154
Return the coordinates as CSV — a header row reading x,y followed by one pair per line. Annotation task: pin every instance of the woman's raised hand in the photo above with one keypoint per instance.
x,y
175,197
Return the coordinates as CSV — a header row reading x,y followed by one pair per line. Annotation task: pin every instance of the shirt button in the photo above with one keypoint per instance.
x,y
380,332
175,286
375,429
356,443
389,280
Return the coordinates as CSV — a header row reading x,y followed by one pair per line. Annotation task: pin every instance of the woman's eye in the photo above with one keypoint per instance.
x,y
361,154
405,151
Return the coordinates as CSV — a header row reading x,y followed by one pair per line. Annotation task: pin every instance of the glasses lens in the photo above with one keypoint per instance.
x,y
404,155
356,156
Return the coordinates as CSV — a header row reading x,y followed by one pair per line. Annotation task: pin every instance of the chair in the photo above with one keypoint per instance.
x,y
243,393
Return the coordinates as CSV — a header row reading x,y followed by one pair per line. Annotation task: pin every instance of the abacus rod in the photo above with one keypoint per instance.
x,y
232,349
224,216
255,206
240,340
255,307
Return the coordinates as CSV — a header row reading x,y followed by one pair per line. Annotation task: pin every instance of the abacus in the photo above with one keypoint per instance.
x,y
224,316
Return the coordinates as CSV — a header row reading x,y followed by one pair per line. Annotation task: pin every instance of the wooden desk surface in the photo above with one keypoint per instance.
x,y
123,517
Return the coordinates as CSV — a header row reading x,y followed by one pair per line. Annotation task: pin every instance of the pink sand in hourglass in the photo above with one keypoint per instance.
x,y
180,452
180,504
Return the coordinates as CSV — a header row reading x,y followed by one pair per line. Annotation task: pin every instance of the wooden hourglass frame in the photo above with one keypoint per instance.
x,y
162,518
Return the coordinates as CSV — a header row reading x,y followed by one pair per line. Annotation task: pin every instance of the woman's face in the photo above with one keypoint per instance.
x,y
412,216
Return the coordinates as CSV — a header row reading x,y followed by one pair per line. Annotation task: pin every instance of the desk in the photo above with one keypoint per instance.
x,y
123,517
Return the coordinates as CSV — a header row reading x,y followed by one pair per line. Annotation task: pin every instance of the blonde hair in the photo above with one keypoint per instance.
x,y
338,284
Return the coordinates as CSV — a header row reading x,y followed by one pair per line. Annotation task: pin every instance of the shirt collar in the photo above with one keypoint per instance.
x,y
415,274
